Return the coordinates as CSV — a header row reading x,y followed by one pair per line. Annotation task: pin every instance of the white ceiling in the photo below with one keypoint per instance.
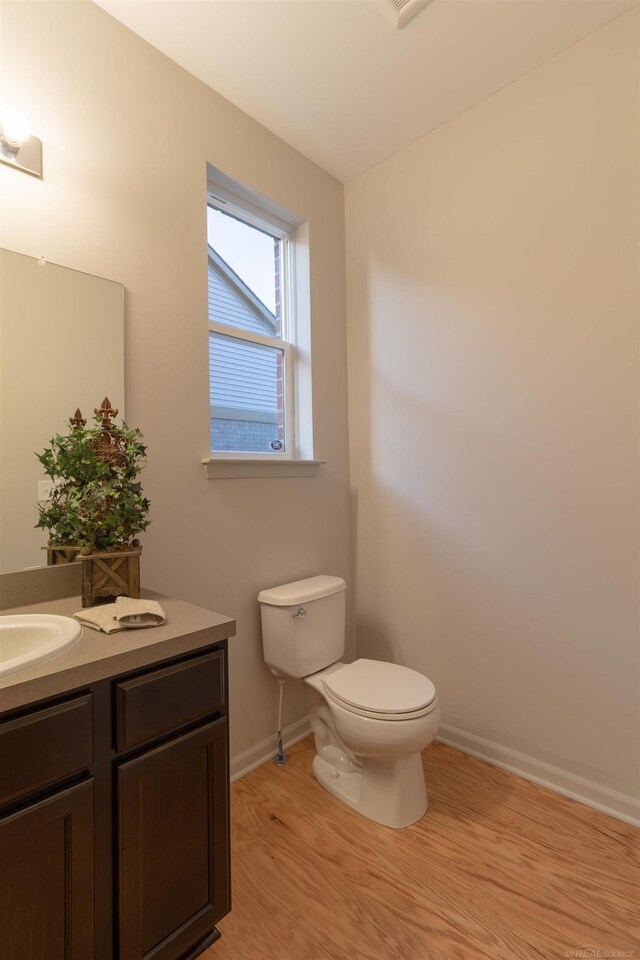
x,y
335,79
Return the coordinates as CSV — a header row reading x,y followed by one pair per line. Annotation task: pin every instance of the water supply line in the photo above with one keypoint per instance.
x,y
280,757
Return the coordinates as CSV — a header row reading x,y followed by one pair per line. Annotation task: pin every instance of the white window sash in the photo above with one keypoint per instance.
x,y
237,333
223,201
288,404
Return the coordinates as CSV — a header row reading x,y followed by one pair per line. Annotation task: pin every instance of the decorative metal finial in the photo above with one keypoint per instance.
x,y
109,443
107,412
77,420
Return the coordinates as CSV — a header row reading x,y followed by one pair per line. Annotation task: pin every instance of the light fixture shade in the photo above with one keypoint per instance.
x,y
18,148
15,127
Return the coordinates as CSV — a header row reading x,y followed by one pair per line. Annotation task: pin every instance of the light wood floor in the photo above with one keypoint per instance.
x,y
498,868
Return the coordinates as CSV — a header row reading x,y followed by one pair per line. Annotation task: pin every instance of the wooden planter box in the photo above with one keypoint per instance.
x,y
110,575
57,555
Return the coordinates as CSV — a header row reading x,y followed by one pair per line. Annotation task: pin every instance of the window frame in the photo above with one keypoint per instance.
x,y
286,343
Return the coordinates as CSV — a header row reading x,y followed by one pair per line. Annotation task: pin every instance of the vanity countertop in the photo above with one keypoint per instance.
x,y
99,655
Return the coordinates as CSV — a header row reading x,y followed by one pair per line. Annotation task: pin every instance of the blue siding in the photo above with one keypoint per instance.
x,y
242,375
225,307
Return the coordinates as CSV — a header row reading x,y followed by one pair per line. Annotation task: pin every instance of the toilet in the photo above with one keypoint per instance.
x,y
370,719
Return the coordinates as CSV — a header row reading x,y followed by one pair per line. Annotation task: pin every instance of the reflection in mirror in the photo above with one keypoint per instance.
x,y
61,347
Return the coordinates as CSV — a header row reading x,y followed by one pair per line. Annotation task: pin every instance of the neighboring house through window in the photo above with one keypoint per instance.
x,y
250,350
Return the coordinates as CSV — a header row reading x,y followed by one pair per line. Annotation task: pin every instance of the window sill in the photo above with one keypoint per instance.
x,y
223,468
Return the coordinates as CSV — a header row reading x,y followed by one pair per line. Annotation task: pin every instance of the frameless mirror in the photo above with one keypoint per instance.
x,y
61,347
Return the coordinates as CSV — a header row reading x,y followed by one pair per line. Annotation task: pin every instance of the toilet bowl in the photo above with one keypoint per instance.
x,y
370,719
366,754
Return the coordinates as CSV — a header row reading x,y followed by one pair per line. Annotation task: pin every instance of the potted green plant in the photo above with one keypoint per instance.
x,y
97,507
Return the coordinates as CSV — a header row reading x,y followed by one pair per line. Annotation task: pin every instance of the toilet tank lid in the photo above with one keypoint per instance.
x,y
302,591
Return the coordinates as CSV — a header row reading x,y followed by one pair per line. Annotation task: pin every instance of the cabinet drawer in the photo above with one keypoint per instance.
x,y
162,700
45,746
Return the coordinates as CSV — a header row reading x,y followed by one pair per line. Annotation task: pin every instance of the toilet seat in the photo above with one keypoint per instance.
x,y
382,691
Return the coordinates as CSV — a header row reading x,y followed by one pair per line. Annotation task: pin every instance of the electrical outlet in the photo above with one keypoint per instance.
x,y
45,489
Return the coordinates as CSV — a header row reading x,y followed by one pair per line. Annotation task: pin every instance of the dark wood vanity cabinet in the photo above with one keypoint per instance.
x,y
114,817
47,878
173,885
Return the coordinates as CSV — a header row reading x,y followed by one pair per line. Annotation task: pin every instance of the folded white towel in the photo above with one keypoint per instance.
x,y
121,615
139,613
102,617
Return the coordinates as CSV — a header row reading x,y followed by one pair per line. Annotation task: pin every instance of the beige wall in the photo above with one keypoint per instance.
x,y
493,310
127,135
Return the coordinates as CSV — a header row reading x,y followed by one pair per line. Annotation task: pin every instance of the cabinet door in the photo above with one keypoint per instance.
x,y
46,878
173,844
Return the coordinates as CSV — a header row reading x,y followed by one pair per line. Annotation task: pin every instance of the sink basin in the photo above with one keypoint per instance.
x,y
30,638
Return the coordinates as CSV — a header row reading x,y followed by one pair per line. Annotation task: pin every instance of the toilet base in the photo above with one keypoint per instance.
x,y
390,791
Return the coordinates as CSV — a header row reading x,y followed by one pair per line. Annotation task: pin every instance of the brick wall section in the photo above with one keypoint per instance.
x,y
242,435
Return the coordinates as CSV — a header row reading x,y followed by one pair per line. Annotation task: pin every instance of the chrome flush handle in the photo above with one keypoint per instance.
x,y
300,614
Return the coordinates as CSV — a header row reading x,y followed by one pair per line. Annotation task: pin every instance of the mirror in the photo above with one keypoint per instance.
x,y
61,347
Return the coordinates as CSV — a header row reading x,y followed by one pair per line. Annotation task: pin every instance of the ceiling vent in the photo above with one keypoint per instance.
x,y
402,11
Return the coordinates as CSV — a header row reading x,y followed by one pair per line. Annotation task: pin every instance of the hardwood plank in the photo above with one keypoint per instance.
x,y
499,869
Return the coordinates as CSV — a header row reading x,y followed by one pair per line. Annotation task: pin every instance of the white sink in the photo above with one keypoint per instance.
x,y
30,638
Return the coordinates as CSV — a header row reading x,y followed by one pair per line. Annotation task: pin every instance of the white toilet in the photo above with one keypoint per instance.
x,y
370,719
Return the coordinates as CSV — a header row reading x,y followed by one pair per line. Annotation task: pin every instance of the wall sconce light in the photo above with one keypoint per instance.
x,y
18,147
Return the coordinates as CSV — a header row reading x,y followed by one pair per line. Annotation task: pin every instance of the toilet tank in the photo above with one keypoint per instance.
x,y
303,625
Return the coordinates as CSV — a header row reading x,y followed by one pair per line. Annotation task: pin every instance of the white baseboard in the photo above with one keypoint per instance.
x,y
243,763
618,805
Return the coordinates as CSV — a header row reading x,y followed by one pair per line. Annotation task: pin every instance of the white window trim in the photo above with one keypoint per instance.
x,y
258,465
246,209
230,198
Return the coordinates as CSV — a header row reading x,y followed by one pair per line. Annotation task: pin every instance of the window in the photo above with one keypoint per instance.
x,y
259,323
251,349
